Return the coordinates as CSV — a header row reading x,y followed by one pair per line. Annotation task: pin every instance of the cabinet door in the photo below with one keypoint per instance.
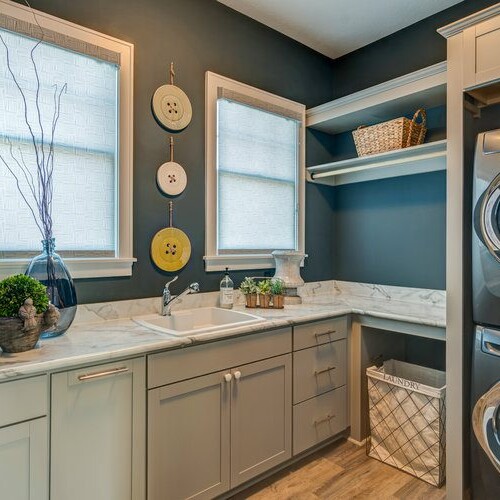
x,y
261,406
98,433
188,438
24,461
481,53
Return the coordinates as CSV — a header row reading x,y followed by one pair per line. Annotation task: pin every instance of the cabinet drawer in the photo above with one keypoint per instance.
x,y
318,419
319,369
319,332
173,366
23,399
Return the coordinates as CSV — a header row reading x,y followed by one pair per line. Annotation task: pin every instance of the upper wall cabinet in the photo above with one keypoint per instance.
x,y
475,50
482,54
423,88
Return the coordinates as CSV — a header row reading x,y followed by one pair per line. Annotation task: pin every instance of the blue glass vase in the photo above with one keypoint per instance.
x,y
50,269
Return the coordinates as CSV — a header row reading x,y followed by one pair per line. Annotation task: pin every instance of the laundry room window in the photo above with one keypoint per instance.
x,y
91,204
254,171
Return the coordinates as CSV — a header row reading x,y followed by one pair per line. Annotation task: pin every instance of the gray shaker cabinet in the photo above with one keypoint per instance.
x,y
23,461
98,432
211,433
24,439
188,438
261,417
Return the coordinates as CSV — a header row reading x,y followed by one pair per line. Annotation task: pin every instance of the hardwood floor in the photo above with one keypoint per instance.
x,y
341,471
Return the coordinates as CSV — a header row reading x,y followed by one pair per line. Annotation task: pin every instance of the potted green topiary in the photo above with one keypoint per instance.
x,y
249,289
277,290
264,293
24,312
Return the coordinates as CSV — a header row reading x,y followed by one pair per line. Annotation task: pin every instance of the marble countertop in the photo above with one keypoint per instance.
x,y
105,332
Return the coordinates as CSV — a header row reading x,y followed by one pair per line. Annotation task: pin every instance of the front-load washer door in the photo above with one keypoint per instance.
x,y
489,219
486,424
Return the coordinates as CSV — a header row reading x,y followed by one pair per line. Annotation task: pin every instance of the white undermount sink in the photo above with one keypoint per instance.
x,y
200,320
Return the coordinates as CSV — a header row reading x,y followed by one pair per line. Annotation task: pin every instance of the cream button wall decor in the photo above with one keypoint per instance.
x,y
171,106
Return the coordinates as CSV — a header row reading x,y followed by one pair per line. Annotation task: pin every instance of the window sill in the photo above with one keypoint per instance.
x,y
240,262
79,268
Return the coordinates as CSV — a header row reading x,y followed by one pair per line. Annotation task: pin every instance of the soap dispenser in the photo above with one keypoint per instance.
x,y
226,291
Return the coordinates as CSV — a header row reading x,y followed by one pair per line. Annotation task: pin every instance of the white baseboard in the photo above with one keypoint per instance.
x,y
357,443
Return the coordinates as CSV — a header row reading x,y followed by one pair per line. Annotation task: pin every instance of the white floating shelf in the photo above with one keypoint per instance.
x,y
423,88
429,157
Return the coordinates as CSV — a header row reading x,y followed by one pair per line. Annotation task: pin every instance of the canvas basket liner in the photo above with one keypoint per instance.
x,y
407,418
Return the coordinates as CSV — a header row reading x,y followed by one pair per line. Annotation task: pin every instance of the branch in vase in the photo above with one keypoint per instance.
x,y
41,190
14,79
21,193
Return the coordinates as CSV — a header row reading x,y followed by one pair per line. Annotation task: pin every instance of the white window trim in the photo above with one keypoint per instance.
x,y
213,260
121,265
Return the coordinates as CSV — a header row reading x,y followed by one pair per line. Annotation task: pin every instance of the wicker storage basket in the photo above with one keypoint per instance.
x,y
394,134
407,418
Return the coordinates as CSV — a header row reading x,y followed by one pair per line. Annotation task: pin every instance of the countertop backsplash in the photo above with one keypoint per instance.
x,y
123,309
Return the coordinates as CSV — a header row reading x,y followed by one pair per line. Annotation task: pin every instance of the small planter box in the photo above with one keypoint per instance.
x,y
407,419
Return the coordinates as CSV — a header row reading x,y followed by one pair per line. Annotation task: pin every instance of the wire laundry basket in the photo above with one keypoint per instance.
x,y
407,418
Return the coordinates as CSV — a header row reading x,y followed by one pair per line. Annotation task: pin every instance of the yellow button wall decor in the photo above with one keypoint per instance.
x,y
170,249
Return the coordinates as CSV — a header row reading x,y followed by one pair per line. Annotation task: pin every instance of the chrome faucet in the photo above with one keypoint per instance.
x,y
168,300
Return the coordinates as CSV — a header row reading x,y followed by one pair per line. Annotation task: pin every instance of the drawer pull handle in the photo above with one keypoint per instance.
x,y
114,371
321,334
323,420
325,370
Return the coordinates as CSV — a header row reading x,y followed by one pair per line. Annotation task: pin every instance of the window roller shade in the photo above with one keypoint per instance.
x,y
231,95
257,158
85,149
32,30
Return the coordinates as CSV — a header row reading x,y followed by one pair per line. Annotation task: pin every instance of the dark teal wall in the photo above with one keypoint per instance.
x,y
199,35
393,231
407,50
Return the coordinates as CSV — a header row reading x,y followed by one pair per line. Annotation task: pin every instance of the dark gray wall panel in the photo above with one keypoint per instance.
x,y
198,35
407,50
392,231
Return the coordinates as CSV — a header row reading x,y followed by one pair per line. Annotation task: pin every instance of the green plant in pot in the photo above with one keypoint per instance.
x,y
249,289
24,312
264,293
277,292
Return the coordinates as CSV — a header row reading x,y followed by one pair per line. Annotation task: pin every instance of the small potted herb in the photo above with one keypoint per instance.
x,y
264,293
24,312
249,289
277,289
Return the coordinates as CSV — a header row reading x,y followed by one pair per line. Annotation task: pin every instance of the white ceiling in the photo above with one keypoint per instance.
x,y
336,27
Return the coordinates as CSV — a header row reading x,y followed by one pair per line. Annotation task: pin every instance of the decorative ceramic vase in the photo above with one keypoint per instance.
x,y
288,270
50,269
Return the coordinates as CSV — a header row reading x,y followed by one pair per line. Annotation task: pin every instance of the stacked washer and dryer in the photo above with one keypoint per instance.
x,y
485,459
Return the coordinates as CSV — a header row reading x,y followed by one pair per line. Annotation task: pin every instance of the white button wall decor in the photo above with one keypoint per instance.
x,y
171,178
